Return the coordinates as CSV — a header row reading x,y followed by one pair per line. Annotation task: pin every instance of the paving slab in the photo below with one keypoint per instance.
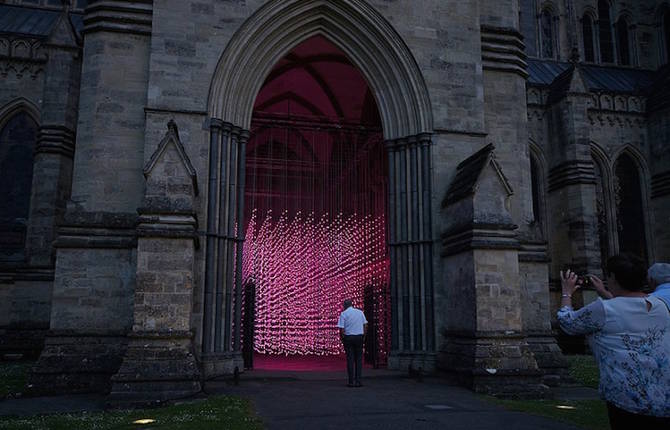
x,y
295,401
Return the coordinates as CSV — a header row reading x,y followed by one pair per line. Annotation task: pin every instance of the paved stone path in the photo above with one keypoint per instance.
x,y
320,400
387,400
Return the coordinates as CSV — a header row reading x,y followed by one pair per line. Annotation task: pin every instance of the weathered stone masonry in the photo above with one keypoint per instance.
x,y
129,280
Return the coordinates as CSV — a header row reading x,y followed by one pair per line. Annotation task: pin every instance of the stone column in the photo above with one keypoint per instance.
x,y
504,64
52,170
95,269
571,199
485,346
27,286
159,363
410,242
221,353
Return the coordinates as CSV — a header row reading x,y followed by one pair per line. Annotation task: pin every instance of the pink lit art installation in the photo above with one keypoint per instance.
x,y
303,268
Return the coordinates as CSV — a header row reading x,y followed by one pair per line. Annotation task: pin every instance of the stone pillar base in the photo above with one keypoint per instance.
x,y
221,364
549,358
76,363
156,367
421,362
501,365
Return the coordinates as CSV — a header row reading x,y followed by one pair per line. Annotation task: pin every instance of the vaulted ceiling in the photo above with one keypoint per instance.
x,y
316,79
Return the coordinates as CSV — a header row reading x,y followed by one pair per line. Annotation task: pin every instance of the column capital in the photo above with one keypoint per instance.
x,y
215,124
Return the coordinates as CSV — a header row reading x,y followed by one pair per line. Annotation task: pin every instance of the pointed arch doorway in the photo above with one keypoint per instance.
x,y
315,212
244,122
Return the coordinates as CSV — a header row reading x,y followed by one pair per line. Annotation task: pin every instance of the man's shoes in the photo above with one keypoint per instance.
x,y
358,384
350,385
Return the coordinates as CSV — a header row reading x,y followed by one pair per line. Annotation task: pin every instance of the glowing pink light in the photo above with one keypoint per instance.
x,y
303,268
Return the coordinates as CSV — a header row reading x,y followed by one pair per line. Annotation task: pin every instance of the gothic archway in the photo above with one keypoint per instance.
x,y
400,94
630,205
18,138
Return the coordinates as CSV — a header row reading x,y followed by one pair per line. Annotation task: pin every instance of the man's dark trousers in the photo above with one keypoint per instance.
x,y
353,346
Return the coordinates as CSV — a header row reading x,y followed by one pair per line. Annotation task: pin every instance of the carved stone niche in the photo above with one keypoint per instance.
x,y
483,342
159,363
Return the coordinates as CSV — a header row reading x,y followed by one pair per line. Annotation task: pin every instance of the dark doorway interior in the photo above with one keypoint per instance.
x,y
315,205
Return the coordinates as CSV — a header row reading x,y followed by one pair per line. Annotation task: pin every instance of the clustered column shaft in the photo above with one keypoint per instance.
x,y
225,238
410,241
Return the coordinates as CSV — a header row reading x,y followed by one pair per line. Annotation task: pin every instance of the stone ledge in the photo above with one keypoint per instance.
x,y
533,252
12,272
128,17
576,172
479,236
660,184
97,230
108,220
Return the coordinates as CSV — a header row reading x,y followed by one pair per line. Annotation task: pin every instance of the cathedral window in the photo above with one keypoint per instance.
x,y
629,207
588,39
623,42
17,143
547,34
605,32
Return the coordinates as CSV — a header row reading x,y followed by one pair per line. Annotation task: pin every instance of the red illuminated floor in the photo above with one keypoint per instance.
x,y
300,363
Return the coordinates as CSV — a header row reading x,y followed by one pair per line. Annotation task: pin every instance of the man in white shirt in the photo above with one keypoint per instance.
x,y
658,278
353,327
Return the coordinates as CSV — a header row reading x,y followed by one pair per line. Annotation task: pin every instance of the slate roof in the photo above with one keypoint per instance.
x,y
33,22
597,78
27,21
615,79
543,72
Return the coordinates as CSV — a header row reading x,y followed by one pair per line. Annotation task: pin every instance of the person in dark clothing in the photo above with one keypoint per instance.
x,y
353,327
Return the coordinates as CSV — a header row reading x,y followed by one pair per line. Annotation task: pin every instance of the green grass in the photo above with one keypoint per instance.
x,y
587,414
13,376
220,412
584,369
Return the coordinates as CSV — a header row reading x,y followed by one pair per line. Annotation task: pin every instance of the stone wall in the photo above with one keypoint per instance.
x,y
159,65
110,132
40,76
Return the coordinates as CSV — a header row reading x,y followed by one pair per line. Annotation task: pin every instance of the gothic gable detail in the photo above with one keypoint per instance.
x,y
470,174
62,34
171,179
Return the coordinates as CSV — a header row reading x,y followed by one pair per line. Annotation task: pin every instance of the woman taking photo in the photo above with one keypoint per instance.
x,y
629,334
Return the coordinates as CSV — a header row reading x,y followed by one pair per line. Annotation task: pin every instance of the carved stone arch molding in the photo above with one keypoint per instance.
x,y
537,157
607,235
370,42
20,104
401,95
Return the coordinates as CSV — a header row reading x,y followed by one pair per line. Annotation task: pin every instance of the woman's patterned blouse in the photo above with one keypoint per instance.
x,y
631,344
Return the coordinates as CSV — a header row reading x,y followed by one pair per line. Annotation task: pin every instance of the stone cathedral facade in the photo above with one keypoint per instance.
x,y
492,142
